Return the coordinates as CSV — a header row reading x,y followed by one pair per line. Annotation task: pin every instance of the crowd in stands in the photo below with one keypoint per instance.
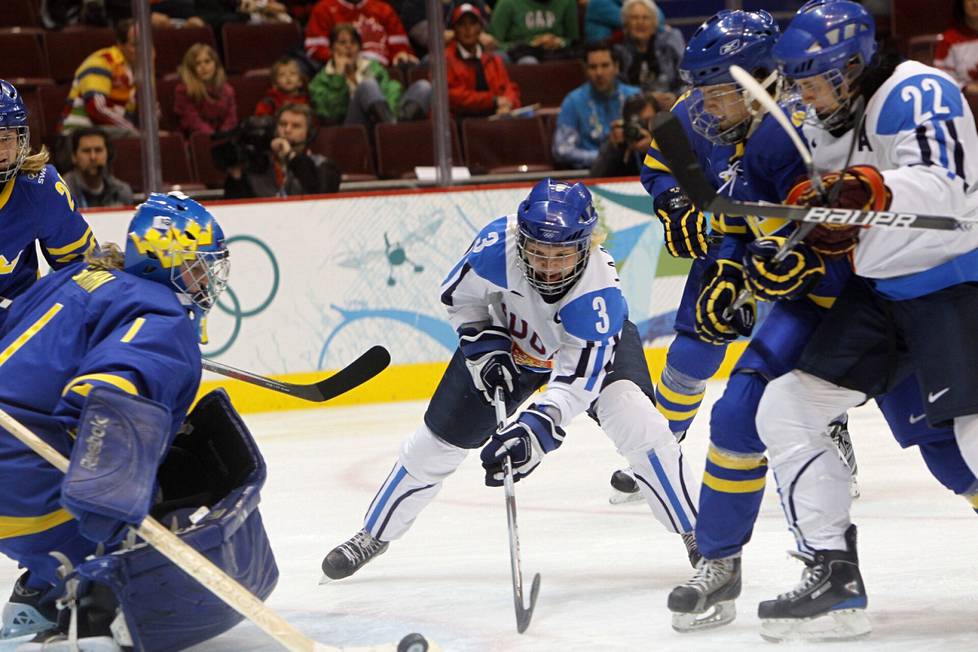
x,y
282,97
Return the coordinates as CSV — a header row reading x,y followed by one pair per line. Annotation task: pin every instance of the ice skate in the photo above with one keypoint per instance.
x,y
28,611
624,488
829,604
839,433
57,642
707,600
347,558
689,540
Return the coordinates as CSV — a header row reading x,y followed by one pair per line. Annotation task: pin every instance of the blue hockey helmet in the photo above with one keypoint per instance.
x,y
555,223
15,135
175,241
742,38
832,38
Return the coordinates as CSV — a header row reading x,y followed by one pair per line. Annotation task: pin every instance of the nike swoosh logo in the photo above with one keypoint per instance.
x,y
936,395
917,418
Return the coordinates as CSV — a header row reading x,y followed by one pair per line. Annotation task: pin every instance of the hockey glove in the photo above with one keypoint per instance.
x,y
488,355
684,225
863,188
525,441
722,282
792,278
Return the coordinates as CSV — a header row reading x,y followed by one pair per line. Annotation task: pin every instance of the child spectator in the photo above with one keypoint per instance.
x,y
204,99
288,87
957,53
478,84
353,89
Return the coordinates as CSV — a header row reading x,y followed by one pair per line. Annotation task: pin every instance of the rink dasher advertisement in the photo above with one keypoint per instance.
x,y
314,283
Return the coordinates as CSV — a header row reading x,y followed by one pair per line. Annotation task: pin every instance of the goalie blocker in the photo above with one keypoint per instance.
x,y
209,486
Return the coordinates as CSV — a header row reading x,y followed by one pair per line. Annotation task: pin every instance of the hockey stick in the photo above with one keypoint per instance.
x,y
523,613
354,374
204,571
675,147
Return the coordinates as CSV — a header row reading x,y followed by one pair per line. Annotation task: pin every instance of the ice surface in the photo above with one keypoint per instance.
x,y
606,570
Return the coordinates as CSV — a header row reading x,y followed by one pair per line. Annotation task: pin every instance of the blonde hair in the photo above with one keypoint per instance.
x,y
197,89
34,163
109,257
598,236
283,62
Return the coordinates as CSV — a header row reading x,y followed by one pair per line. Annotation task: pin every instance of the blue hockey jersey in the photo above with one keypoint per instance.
x,y
38,208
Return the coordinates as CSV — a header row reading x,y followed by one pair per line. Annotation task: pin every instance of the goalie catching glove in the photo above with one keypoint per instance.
x,y
792,278
488,355
722,282
863,188
525,441
683,224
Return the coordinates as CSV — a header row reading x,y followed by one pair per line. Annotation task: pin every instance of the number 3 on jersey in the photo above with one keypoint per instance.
x,y
487,241
601,308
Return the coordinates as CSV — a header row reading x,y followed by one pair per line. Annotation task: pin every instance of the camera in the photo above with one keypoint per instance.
x,y
631,114
247,144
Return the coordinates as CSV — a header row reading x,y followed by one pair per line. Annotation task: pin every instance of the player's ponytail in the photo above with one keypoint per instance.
x,y
34,163
109,257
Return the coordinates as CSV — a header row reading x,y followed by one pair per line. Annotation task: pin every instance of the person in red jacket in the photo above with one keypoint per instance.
x,y
381,31
478,84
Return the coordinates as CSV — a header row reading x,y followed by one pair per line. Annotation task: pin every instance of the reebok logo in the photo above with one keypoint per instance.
x,y
93,444
933,396
916,418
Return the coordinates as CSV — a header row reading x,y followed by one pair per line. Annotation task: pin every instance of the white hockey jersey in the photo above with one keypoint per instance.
x,y
920,132
572,339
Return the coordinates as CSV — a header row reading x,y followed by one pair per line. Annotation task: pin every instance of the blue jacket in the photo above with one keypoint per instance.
x,y
585,121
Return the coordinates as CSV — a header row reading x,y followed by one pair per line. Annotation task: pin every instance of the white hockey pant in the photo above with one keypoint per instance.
x,y
423,463
813,480
642,436
966,434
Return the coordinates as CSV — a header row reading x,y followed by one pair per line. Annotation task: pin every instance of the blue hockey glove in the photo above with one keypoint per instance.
x,y
684,225
792,278
722,282
525,441
488,355
112,473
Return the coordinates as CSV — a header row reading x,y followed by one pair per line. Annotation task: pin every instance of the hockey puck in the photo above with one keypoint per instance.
x,y
413,643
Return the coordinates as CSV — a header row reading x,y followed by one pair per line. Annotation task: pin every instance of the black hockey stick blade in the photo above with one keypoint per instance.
x,y
368,365
523,613
670,137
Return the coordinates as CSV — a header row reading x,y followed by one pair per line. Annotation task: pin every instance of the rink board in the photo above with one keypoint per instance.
x,y
315,282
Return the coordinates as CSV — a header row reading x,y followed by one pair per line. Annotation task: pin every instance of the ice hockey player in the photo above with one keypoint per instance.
x,y
35,206
535,301
910,309
101,360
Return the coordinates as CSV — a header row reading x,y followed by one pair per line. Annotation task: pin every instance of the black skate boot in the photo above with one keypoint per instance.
x,y
29,611
839,433
347,558
689,540
828,604
707,599
624,488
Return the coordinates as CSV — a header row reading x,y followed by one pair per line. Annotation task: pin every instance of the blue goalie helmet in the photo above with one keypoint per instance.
x,y
175,241
717,107
834,39
15,135
555,223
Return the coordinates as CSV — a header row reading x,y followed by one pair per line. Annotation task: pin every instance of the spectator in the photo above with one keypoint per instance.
x,y
204,100
264,11
587,112
57,14
90,181
478,84
288,87
486,40
289,167
649,55
530,31
602,21
103,93
957,53
623,152
381,31
355,90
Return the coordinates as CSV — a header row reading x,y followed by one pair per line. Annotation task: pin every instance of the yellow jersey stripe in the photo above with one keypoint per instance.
x,y
22,526
821,302
31,331
131,333
733,486
674,415
682,399
57,251
7,190
109,379
736,462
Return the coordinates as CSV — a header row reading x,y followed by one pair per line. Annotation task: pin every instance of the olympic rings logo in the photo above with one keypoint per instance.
x,y
235,310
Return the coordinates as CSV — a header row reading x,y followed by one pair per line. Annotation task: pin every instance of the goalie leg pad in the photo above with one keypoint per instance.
x,y
110,480
163,607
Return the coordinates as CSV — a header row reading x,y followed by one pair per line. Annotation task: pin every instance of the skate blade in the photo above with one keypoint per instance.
x,y
621,498
716,616
841,625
